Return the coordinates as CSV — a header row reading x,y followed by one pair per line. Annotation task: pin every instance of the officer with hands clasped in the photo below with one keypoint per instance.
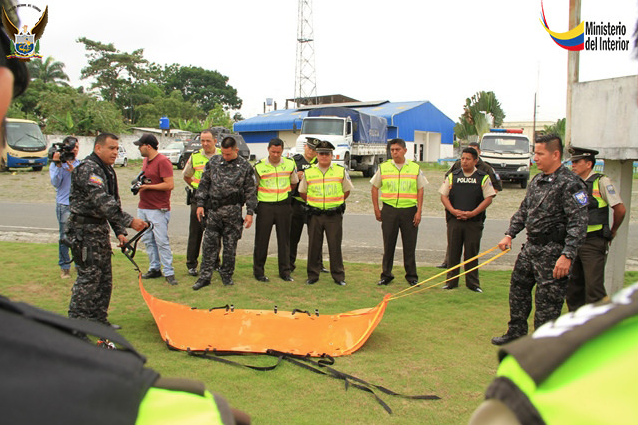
x,y
483,166
554,214
325,186
95,204
466,193
400,183
587,282
227,183
276,177
299,217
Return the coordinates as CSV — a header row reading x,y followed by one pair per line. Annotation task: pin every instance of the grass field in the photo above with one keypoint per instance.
x,y
436,342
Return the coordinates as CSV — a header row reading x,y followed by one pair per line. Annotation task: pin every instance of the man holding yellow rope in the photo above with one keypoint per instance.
x,y
554,214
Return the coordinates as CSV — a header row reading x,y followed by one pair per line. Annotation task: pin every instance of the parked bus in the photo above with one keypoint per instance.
x,y
25,145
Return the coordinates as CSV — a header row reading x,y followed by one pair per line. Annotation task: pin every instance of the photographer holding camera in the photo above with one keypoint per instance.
x,y
155,207
63,161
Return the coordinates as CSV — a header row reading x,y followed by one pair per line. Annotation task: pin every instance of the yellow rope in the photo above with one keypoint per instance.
x,y
445,271
412,288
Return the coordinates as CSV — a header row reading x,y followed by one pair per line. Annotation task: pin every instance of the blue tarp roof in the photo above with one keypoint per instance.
x,y
389,109
404,118
282,119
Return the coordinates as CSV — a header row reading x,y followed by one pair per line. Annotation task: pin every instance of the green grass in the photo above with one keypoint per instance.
x,y
435,342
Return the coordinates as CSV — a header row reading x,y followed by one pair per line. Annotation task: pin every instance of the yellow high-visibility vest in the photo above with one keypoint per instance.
x,y
399,187
598,212
274,182
325,191
198,161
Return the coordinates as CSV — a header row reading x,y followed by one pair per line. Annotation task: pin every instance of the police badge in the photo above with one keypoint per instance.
x,y
581,197
27,43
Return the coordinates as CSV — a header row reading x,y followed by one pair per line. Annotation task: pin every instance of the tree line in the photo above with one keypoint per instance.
x,y
126,90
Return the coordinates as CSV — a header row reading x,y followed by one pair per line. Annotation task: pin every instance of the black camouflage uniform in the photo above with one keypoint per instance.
x,y
95,203
234,185
554,214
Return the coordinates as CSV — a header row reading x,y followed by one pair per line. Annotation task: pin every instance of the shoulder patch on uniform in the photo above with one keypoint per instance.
x,y
581,197
94,178
610,189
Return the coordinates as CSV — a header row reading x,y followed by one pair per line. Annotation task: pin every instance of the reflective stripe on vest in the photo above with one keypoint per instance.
x,y
596,202
325,191
274,182
398,187
198,161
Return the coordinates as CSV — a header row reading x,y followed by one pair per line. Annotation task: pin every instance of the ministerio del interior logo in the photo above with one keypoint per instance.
x,y
590,36
26,43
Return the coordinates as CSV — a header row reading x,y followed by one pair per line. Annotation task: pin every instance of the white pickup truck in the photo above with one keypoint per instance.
x,y
509,152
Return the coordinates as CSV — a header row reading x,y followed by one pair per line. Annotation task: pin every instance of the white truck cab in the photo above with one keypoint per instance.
x,y
336,130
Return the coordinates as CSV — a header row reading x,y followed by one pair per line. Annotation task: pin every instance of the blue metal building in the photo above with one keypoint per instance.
x,y
428,132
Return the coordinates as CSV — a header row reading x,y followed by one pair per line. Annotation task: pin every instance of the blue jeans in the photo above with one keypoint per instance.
x,y
62,212
157,245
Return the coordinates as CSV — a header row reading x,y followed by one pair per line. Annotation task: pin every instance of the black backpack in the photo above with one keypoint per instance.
x,y
50,375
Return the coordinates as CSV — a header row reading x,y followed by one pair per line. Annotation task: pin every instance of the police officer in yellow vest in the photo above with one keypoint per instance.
x,y
466,193
587,282
299,217
276,178
192,174
325,187
401,184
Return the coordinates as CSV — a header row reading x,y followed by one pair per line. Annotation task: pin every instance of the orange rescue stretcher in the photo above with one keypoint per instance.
x,y
257,331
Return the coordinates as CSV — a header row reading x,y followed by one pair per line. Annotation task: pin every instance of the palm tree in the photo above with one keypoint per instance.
x,y
557,128
480,112
49,71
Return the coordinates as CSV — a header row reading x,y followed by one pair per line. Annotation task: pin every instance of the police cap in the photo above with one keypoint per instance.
x,y
582,153
325,146
311,142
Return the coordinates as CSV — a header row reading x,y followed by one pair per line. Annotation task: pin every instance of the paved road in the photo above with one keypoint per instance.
x,y
362,235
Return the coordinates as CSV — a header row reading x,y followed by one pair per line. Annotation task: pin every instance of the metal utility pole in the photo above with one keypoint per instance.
x,y
573,69
305,78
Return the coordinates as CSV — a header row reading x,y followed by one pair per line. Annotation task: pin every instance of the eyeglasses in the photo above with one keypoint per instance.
x,y
324,153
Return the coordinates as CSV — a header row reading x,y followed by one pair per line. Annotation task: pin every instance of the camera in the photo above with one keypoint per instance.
x,y
65,149
138,181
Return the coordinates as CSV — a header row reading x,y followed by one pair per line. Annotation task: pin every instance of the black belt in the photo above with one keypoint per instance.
x,y
284,202
329,212
85,219
545,238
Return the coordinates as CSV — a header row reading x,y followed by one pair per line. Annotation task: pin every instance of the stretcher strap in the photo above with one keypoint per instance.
x,y
129,248
321,366
412,289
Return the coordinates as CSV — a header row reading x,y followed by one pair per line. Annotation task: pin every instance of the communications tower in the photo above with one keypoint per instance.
x,y
305,78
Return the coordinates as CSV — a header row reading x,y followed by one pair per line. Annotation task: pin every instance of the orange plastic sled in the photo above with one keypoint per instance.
x,y
257,331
